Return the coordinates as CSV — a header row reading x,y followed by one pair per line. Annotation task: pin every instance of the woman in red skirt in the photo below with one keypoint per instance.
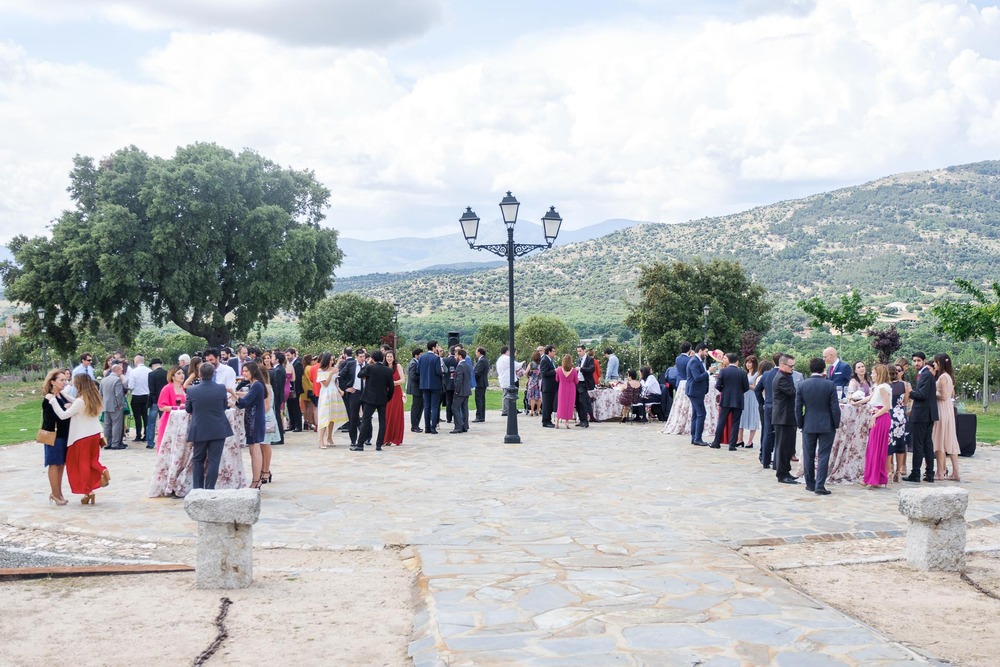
x,y
83,465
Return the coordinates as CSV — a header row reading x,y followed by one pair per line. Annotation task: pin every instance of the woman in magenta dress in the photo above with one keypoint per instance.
x,y
171,398
394,409
880,399
566,376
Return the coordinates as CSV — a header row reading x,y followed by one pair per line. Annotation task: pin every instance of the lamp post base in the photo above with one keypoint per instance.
x,y
510,403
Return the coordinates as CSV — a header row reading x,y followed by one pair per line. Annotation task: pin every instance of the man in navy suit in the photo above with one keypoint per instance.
x,y
207,403
837,371
696,388
732,384
817,414
431,376
923,414
681,362
547,370
765,398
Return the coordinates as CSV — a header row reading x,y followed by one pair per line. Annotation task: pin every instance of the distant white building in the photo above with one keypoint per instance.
x,y
11,327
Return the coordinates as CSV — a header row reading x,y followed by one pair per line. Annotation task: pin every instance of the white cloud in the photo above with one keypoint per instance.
x,y
626,119
294,22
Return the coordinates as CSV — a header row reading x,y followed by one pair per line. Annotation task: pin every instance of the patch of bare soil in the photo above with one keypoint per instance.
x,y
938,613
304,608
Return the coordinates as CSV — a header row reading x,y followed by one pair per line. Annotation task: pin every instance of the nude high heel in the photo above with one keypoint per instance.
x,y
57,501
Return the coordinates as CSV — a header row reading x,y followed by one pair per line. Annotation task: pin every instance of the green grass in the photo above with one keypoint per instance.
x,y
988,427
20,423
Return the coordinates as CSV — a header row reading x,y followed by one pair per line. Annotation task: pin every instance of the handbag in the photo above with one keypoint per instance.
x,y
46,437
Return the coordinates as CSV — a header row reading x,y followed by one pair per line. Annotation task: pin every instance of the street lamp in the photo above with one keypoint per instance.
x,y
44,330
704,327
551,222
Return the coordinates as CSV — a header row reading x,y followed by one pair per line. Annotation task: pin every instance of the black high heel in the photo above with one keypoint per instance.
x,y
265,481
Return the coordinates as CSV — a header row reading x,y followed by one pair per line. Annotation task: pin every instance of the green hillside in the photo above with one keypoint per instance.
x,y
900,240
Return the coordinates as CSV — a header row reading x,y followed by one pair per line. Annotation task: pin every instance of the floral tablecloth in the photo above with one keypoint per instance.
x,y
847,457
173,473
604,401
679,421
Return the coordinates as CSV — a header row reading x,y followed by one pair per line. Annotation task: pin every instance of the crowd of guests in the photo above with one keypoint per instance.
x,y
279,391
779,401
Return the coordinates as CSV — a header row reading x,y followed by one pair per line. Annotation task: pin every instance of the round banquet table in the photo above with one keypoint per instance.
x,y
847,456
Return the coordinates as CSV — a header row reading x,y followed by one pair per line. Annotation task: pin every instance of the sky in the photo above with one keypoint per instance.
x,y
411,110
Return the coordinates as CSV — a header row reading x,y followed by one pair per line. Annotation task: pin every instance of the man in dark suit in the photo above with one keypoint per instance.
x,y
430,385
586,365
277,376
157,380
817,414
923,414
547,372
413,389
764,400
783,418
482,373
696,387
294,409
836,371
206,403
378,387
350,383
731,384
681,362
448,382
461,390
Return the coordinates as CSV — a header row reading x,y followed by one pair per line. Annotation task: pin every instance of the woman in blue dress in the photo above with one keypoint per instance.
x,y
252,402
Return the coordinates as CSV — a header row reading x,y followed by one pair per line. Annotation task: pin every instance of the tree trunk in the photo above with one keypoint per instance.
x,y
986,378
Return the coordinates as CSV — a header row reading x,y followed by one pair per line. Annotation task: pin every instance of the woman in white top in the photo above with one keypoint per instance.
x,y
650,390
83,465
880,399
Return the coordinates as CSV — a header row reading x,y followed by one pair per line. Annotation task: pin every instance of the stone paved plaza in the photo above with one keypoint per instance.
x,y
614,545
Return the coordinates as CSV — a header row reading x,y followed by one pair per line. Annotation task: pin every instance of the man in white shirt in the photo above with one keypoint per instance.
x,y
503,373
137,381
224,374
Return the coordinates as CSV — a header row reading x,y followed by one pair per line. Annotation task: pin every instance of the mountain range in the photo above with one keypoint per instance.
x,y
451,250
899,240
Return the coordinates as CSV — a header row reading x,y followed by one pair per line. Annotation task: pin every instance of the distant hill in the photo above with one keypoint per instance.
x,y
900,239
414,254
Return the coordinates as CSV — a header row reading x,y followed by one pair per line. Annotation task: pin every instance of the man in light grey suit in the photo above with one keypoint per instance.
x,y
817,413
113,399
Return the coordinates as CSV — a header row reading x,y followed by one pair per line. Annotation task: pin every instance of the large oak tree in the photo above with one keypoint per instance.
x,y
211,240
674,294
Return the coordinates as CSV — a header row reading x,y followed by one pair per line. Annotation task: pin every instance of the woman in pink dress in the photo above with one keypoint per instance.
x,y
945,435
880,399
171,398
566,377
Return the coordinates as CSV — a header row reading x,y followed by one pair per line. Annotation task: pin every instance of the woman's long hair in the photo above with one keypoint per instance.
x,y
193,367
86,389
854,373
943,363
881,374
324,360
567,363
255,372
754,365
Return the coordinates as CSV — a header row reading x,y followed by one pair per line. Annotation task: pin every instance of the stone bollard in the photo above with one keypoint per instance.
x,y
225,535
935,539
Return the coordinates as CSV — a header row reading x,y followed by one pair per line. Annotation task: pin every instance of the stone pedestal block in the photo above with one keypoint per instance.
x,y
935,538
225,535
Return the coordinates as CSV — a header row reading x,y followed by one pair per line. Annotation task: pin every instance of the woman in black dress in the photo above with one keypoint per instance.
x,y
55,454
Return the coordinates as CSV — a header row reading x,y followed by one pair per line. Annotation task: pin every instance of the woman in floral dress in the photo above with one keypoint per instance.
x,y
535,384
897,429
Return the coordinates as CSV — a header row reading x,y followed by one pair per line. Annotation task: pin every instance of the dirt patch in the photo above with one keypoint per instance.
x,y
937,613
305,608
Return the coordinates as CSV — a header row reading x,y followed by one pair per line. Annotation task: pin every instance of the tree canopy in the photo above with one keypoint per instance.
x,y
674,294
538,330
355,319
850,317
213,241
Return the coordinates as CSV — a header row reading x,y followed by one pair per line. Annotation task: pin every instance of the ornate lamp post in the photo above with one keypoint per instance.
x,y
44,330
704,338
551,222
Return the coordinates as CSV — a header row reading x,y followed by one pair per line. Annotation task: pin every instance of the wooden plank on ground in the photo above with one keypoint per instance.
x,y
15,573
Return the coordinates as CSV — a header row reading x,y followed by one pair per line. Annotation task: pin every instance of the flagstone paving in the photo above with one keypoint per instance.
x,y
613,545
